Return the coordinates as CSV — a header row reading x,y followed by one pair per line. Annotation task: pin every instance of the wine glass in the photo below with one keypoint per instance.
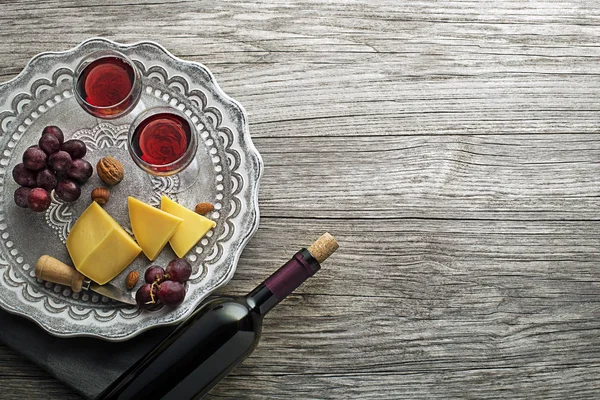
x,y
107,84
163,142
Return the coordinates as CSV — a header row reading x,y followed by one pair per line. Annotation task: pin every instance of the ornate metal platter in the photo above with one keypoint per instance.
x,y
230,168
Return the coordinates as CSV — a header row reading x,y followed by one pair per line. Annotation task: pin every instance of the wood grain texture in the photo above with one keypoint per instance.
x,y
451,146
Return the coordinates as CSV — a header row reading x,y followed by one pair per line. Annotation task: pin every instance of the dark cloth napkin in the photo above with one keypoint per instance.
x,y
87,365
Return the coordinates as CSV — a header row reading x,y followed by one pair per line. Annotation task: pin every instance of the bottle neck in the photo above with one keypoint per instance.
x,y
283,282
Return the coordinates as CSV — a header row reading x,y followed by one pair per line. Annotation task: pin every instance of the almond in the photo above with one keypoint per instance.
x,y
203,208
132,279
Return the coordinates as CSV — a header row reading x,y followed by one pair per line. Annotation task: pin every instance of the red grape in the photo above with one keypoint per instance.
x,y
60,161
55,131
68,190
179,270
49,143
171,293
154,273
75,147
23,176
80,170
46,179
38,200
145,300
21,195
34,158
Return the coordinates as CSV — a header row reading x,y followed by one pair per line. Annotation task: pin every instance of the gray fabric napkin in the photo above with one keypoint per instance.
x,y
87,365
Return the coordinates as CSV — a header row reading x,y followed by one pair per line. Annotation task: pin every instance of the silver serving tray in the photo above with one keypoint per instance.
x,y
230,166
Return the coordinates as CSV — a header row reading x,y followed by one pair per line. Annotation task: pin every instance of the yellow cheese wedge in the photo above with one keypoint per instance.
x,y
152,227
191,230
99,247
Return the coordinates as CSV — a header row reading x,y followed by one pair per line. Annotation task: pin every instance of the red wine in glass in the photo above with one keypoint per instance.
x,y
162,141
107,85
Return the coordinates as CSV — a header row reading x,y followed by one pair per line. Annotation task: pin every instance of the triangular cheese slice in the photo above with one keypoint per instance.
x,y
191,230
152,227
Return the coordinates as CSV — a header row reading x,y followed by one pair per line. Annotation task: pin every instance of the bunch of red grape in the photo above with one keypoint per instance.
x,y
51,165
164,286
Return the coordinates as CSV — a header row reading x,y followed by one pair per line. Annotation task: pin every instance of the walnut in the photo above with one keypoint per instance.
x,y
110,170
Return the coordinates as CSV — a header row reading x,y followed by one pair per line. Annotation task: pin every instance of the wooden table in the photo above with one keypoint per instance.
x,y
451,146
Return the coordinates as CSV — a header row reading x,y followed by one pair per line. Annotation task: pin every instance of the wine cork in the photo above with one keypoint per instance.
x,y
323,247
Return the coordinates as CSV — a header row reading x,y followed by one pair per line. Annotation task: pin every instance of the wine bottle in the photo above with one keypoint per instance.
x,y
219,335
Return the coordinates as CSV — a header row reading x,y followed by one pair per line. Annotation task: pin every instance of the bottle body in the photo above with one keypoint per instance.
x,y
211,342
197,355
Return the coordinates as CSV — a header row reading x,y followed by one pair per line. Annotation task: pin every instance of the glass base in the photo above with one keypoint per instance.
x,y
125,119
183,181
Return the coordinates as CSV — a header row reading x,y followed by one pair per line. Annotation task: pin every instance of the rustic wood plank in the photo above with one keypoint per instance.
x,y
436,309
451,146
